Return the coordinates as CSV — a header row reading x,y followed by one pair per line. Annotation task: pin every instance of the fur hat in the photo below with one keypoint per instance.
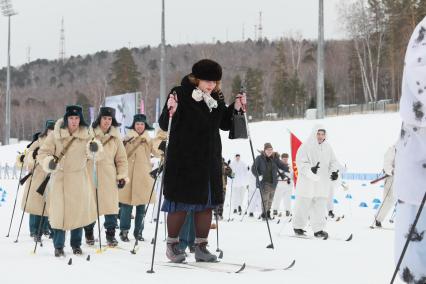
x,y
106,111
50,124
267,146
207,69
73,110
140,118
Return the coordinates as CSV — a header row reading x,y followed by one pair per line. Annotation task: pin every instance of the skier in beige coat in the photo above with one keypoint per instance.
x,y
139,148
64,156
111,173
33,202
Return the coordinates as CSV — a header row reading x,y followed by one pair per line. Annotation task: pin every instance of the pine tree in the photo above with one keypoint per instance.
x,y
124,73
84,102
254,84
280,85
236,84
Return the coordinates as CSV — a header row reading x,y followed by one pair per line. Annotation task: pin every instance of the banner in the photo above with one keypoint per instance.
x,y
125,108
295,145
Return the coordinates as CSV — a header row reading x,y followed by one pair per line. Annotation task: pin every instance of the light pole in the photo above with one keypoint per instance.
x,y
162,60
7,11
320,62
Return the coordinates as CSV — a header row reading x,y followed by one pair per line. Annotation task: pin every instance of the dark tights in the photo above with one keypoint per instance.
x,y
202,222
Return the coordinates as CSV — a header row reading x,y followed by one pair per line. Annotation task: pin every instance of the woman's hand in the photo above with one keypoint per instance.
x,y
172,103
240,101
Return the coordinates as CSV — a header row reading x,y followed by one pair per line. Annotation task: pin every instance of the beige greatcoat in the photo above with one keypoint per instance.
x,y
138,189
111,168
71,200
35,201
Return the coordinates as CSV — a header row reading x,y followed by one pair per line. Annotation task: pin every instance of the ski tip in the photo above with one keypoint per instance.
x,y
88,258
241,268
70,261
349,238
291,265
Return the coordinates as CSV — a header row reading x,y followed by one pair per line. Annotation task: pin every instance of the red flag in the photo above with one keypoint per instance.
x,y
294,144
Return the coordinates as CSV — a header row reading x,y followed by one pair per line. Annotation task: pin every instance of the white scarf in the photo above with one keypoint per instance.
x,y
199,95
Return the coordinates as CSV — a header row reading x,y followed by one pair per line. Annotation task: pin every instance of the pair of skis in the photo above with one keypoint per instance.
x,y
225,267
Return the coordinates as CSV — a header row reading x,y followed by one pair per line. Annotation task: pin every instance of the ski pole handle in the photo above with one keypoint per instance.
x,y
172,106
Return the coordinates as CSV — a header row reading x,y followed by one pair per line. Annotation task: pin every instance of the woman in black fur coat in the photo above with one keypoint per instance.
x,y
193,176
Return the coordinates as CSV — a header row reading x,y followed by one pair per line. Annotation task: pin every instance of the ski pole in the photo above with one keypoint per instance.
x,y
14,203
133,251
151,270
248,204
230,201
39,228
381,206
391,220
410,234
26,201
271,245
95,178
217,234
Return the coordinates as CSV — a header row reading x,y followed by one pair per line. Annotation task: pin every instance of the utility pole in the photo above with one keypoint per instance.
x,y
162,59
8,12
260,27
62,42
320,62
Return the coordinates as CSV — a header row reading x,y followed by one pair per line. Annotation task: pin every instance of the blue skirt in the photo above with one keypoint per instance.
x,y
172,206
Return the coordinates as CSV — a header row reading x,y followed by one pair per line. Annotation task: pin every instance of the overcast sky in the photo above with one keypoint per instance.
x,y
93,25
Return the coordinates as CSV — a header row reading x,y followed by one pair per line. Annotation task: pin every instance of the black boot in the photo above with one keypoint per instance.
x,y
275,213
110,237
321,234
90,238
251,214
268,214
331,214
77,251
235,211
138,236
299,232
124,236
239,210
59,252
378,224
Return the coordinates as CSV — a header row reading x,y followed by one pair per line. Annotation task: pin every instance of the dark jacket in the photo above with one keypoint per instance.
x,y
261,166
194,156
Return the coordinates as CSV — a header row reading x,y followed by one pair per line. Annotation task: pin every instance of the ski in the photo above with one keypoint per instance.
x,y
210,266
268,269
346,239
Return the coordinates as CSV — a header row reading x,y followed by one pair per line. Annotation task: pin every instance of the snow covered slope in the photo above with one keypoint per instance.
x,y
359,141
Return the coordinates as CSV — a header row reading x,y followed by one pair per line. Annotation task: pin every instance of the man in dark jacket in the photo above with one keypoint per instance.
x,y
266,166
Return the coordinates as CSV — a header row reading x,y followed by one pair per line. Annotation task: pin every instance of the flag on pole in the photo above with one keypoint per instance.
x,y
142,107
294,144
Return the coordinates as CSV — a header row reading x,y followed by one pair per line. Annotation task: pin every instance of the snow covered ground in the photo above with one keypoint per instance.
x,y
359,142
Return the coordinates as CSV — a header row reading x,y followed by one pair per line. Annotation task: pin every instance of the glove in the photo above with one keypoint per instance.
x,y
53,164
315,169
334,175
121,183
156,172
21,158
35,153
288,181
93,147
162,146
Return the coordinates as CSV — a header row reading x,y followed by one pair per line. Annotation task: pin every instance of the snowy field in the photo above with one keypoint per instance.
x,y
359,142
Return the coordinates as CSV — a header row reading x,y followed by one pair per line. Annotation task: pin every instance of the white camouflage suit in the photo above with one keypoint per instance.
x,y
410,160
283,193
312,190
388,195
240,182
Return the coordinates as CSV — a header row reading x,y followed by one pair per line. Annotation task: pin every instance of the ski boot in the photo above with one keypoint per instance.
x,y
110,238
240,211
124,236
287,213
299,232
321,234
37,238
59,252
202,254
251,214
90,238
77,251
235,211
173,253
275,212
331,214
378,224
138,236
